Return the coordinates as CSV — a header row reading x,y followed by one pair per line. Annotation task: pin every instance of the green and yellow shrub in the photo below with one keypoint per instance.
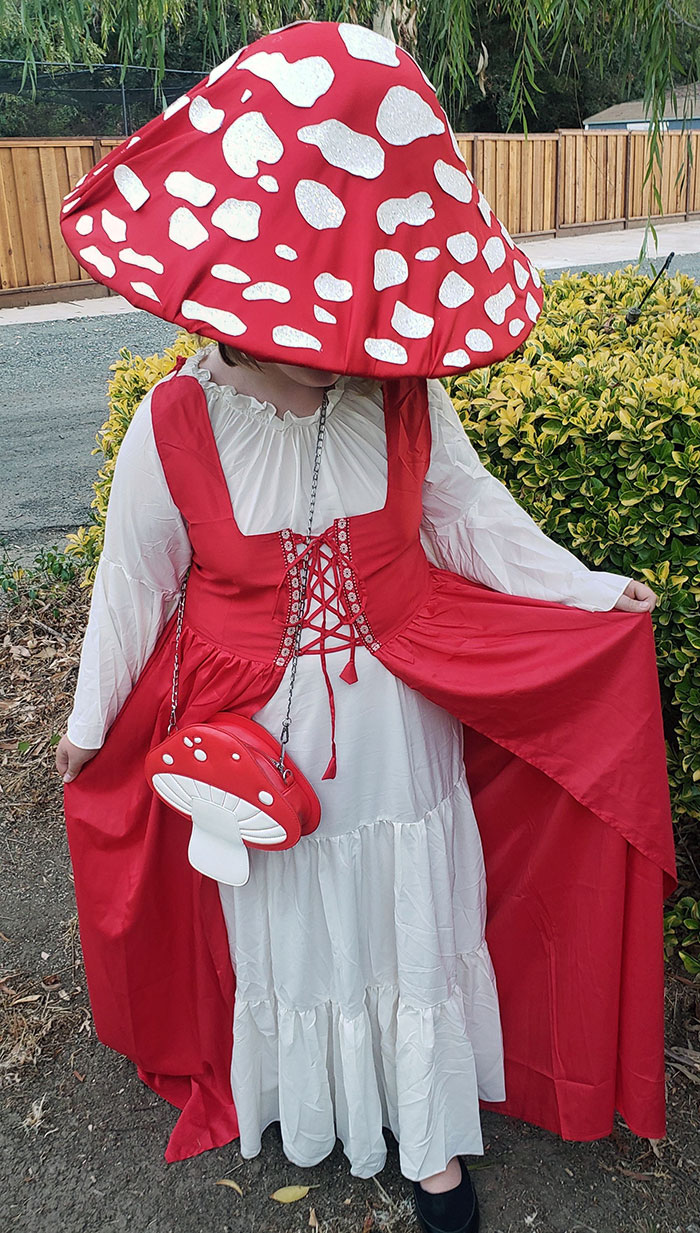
x,y
594,426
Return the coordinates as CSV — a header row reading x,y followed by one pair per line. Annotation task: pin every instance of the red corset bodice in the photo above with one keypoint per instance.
x,y
243,590
368,573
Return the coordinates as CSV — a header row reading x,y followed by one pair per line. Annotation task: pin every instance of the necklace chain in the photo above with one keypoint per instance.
x,y
287,722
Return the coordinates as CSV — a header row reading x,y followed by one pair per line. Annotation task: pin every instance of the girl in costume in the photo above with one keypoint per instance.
x,y
467,923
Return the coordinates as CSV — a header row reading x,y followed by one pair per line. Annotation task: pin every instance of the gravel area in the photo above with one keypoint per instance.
x,y
53,399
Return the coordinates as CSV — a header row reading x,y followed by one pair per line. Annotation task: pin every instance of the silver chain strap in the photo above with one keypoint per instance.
x,y
287,722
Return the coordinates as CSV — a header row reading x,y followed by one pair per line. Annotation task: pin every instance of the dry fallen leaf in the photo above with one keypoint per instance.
x,y
226,1181
291,1194
313,1219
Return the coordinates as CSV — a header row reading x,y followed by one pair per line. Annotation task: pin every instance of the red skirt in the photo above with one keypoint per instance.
x,y
565,760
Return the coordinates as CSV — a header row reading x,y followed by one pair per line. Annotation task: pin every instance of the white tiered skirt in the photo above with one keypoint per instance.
x,y
365,995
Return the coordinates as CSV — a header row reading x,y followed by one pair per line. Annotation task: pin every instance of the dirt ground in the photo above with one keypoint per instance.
x,y
82,1140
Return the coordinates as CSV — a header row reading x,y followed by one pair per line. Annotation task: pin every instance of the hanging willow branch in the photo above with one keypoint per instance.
x,y
444,35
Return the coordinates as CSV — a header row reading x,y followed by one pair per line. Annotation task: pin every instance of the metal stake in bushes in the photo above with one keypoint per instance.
x,y
633,314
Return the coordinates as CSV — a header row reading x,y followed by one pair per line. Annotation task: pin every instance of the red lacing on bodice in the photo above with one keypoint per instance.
x,y
334,612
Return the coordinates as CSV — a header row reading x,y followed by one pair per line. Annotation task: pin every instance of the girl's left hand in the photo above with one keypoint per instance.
x,y
637,597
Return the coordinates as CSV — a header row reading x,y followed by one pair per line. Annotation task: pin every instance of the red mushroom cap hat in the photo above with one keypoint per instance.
x,y
307,203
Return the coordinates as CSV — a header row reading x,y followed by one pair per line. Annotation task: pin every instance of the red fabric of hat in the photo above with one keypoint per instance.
x,y
308,204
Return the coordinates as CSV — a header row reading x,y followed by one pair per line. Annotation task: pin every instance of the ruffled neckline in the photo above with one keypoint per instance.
x,y
195,366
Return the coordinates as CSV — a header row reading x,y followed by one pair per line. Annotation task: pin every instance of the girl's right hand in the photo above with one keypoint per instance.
x,y
70,759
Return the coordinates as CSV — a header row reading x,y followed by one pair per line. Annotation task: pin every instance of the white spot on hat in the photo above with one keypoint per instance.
x,y
224,67
521,274
287,336
190,188
364,44
188,741
267,291
321,315
179,103
229,273
246,95
463,247
410,324
403,117
390,268
93,256
113,227
331,288
239,219
132,189
186,230
129,144
204,117
70,205
168,759
318,206
269,184
84,224
79,182
454,290
265,798
286,253
142,259
532,308
227,322
456,359
146,290
427,254
300,83
386,349
479,340
484,209
453,181
496,305
342,147
414,210
494,251
535,276
506,235
516,326
249,141
200,755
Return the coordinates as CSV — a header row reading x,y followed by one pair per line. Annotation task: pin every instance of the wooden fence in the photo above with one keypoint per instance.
x,y
540,185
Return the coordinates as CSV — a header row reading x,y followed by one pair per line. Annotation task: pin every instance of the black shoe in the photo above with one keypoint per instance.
x,y
453,1211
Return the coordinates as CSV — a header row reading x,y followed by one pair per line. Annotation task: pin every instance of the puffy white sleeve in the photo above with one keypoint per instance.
x,y
146,554
473,526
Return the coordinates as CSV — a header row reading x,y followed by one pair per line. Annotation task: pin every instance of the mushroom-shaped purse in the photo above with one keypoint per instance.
x,y
225,776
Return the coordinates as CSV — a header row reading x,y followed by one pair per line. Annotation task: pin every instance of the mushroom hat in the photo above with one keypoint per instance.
x,y
308,203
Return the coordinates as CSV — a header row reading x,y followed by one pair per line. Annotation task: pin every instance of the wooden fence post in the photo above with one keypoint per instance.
x,y
557,165
626,206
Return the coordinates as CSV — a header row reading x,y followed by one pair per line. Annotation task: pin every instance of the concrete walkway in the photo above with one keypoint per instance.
x,y
568,251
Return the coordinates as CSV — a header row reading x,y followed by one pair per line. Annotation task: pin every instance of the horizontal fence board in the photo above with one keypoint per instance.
x,y
535,184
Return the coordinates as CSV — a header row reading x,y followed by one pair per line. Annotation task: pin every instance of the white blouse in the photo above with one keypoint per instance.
x,y
471,523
